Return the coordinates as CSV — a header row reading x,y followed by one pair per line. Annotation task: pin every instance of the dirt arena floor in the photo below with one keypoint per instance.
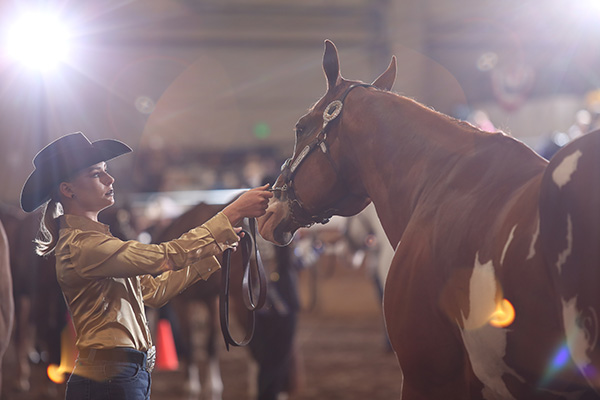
x,y
340,339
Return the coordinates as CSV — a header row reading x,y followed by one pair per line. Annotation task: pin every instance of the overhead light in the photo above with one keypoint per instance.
x,y
39,41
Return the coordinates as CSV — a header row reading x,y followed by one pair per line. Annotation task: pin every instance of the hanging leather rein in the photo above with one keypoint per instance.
x,y
248,246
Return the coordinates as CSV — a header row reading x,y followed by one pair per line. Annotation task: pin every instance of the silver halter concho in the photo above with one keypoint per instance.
x,y
290,166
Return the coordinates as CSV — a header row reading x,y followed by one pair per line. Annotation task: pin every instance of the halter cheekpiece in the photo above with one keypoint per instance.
x,y
290,166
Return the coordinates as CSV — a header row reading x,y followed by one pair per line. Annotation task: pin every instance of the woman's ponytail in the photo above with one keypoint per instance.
x,y
48,234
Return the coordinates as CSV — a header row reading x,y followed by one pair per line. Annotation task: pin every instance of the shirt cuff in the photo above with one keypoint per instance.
x,y
220,228
206,267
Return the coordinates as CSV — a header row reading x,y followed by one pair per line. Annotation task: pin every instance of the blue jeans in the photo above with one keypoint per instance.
x,y
109,380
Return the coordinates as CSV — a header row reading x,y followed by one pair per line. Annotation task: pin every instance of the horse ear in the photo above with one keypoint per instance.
x,y
331,64
386,80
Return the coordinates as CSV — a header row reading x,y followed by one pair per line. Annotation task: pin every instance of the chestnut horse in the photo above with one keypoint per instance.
x,y
7,308
490,295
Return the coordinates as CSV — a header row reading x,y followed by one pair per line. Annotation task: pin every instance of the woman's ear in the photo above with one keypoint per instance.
x,y
65,190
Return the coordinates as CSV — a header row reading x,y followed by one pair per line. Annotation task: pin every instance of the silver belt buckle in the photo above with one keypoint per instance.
x,y
150,358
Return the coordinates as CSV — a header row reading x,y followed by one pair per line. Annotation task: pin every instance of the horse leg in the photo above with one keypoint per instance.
x,y
212,386
49,311
24,342
214,380
273,349
253,371
187,312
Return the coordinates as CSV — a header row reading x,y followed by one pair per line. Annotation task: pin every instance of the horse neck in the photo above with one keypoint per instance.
x,y
408,150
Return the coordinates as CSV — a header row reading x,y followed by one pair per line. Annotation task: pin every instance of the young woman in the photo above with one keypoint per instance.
x,y
106,281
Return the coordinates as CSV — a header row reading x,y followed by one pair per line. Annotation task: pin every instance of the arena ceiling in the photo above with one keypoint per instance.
x,y
549,45
228,74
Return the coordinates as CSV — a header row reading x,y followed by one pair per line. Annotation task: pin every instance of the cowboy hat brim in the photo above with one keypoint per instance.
x,y
59,161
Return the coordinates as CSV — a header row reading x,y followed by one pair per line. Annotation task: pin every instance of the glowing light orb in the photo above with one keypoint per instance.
x,y
68,354
262,130
504,314
56,373
38,40
274,276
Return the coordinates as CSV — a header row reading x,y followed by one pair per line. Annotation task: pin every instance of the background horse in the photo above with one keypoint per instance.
x,y
569,234
273,344
472,300
357,242
39,306
7,310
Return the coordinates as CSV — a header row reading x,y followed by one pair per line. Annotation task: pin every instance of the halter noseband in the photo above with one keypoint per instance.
x,y
290,166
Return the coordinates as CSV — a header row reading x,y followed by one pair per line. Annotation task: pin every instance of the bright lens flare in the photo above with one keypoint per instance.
x,y
56,373
504,314
39,41
560,359
68,354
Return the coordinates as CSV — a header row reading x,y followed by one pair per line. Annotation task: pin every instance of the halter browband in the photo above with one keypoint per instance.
x,y
290,166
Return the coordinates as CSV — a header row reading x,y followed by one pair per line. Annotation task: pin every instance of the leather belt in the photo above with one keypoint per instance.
x,y
145,360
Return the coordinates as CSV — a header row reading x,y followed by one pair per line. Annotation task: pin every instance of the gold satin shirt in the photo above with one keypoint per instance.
x,y
106,281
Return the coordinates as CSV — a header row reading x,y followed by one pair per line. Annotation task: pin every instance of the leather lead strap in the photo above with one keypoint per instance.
x,y
247,282
248,245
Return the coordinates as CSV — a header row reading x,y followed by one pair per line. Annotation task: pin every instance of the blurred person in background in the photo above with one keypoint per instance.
x,y
106,281
480,119
553,142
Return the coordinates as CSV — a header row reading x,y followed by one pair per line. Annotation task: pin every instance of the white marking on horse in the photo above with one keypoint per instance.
x,y
482,295
215,382
485,344
562,174
581,339
511,236
562,257
194,384
534,240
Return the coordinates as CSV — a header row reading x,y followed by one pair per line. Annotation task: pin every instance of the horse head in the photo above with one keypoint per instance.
x,y
317,181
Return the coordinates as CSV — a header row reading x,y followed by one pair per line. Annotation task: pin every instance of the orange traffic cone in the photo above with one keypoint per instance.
x,y
166,355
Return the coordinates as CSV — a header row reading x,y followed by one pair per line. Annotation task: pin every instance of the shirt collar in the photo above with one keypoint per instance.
x,y
82,223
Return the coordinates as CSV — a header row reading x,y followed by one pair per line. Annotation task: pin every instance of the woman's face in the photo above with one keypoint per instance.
x,y
93,188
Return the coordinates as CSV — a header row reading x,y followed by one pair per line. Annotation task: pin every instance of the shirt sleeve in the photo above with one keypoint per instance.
x,y
98,255
157,291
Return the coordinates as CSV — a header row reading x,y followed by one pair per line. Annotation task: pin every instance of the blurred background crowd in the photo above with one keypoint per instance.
x,y
207,92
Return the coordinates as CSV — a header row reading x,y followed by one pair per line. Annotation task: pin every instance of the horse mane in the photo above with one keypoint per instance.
x,y
460,123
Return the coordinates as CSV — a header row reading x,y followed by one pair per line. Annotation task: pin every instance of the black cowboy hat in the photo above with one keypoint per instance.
x,y
60,160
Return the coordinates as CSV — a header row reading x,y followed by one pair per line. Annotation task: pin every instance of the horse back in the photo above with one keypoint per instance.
x,y
194,217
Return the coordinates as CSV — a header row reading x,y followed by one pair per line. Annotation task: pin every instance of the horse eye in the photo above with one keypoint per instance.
x,y
299,130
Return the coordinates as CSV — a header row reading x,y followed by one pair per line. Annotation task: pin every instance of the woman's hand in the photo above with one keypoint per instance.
x,y
238,230
252,203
